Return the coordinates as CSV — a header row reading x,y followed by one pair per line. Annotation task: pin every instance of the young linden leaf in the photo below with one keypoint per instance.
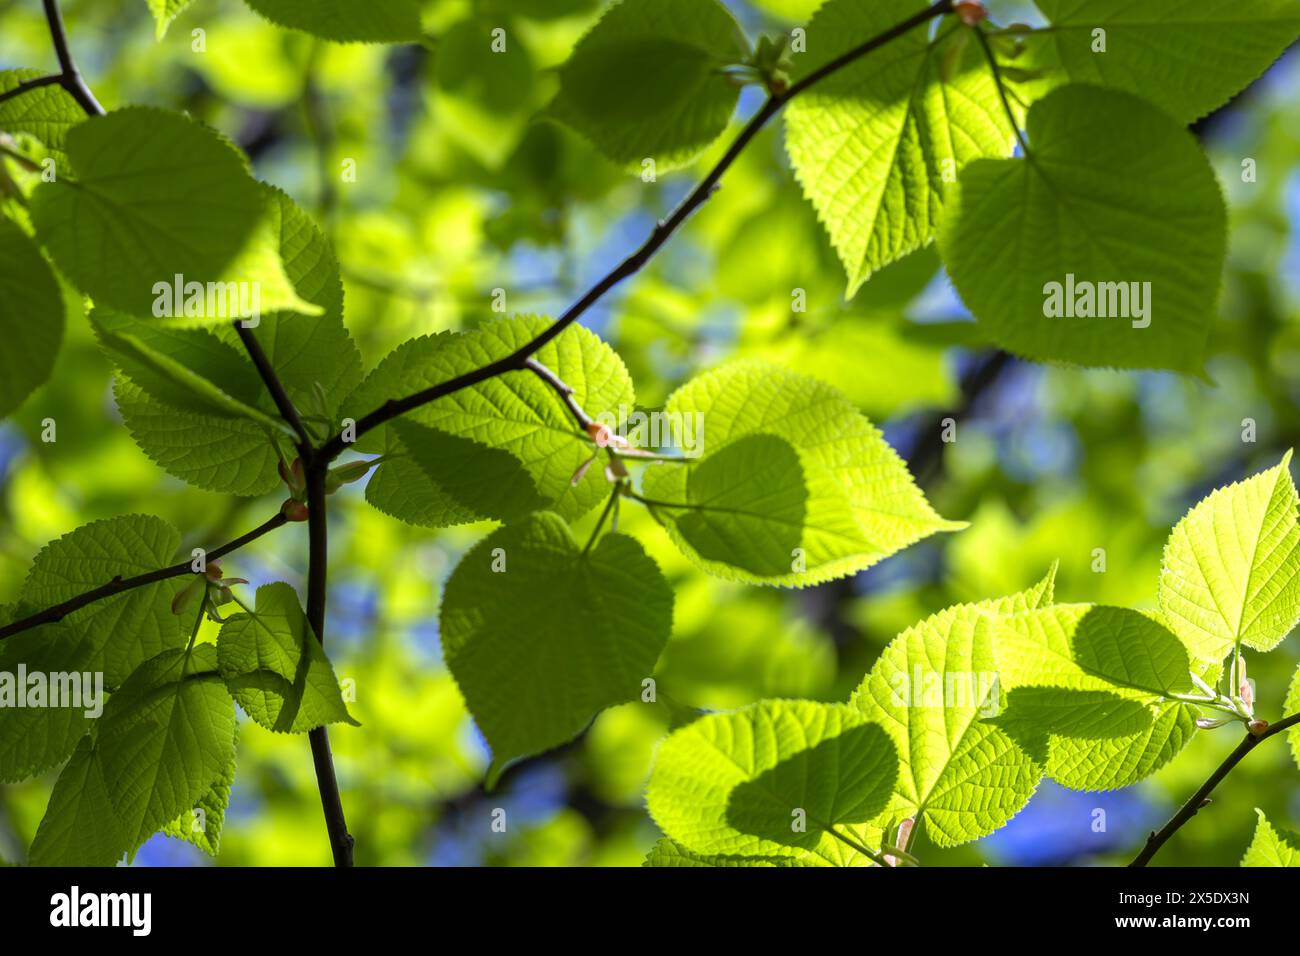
x,y
257,281
164,742
499,449
933,689
166,738
780,778
166,363
80,826
796,10
794,486
232,455
648,81
1231,570
201,825
166,195
1103,247
35,738
165,11
1186,56
346,21
31,320
276,669
877,145
119,633
45,114
1090,651
667,853
541,636
1272,846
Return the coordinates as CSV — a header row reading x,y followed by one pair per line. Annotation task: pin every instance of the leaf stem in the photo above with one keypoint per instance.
x,y
855,845
1002,90
600,522
1198,799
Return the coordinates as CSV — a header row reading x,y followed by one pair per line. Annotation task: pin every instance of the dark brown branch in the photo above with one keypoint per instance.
x,y
273,385
119,585
632,264
71,78
341,841
54,79
1198,799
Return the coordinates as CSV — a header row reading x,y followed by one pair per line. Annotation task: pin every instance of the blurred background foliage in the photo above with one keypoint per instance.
x,y
461,190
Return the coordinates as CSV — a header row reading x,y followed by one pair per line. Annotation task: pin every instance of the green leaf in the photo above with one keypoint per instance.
x,y
1187,56
1272,847
541,636
504,447
796,10
80,826
932,689
346,21
45,114
667,853
1086,649
648,80
276,669
119,633
877,146
232,455
1231,571
165,740
167,373
780,778
794,487
1116,204
202,824
31,322
165,11
33,739
167,196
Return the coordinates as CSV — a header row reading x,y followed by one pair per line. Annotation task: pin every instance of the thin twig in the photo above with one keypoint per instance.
x,y
1197,800
562,389
119,585
266,370
54,79
632,264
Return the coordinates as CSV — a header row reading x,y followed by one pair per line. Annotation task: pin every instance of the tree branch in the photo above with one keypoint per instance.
x,y
1197,800
54,79
341,841
273,385
561,388
632,264
71,78
118,585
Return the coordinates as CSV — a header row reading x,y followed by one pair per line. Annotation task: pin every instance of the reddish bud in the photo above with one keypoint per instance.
x,y
971,12
294,510
213,571
1257,727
